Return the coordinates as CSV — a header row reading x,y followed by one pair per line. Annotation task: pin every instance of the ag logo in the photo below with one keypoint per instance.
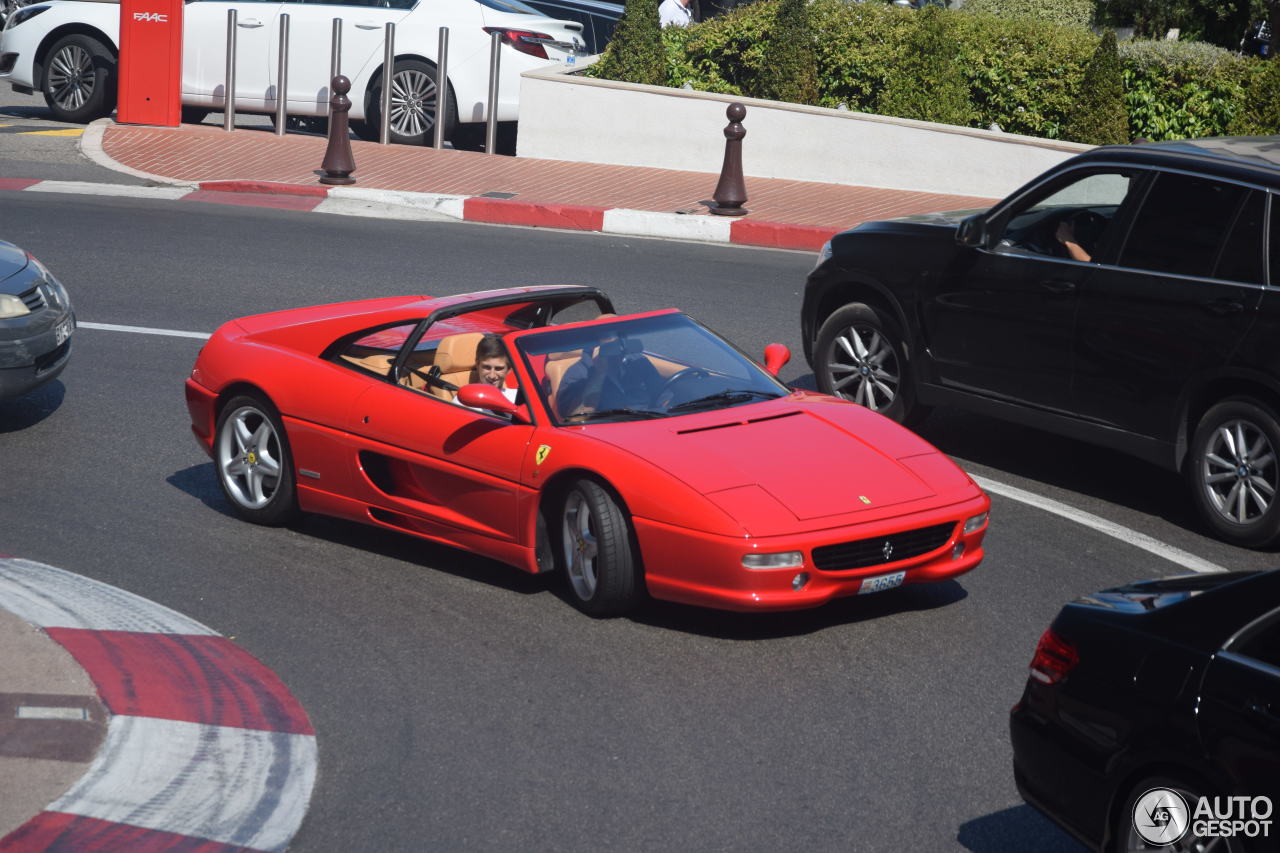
x,y
154,17
1160,817
540,456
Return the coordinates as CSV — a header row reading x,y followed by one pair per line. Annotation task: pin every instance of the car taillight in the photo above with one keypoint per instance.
x,y
525,41
1055,657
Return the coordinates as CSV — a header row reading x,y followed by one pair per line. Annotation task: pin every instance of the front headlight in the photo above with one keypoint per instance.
x,y
12,306
23,15
783,560
974,524
823,254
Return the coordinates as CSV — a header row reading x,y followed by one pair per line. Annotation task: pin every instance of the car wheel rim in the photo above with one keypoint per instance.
x,y
581,548
863,367
249,458
71,77
1239,472
413,103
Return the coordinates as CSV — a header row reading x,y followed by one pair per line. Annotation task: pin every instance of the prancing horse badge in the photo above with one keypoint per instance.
x,y
540,456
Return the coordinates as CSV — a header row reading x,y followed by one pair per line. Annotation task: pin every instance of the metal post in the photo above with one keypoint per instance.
x,y
491,109
335,58
229,87
282,78
442,89
388,79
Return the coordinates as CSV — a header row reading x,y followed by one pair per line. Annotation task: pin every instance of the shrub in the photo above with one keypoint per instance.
x,y
1100,118
1259,114
635,54
928,84
1067,13
1181,90
790,73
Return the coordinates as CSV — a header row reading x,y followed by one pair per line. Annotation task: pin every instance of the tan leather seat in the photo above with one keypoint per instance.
x,y
456,358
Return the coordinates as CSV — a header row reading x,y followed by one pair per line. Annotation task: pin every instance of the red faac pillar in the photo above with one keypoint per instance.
x,y
150,66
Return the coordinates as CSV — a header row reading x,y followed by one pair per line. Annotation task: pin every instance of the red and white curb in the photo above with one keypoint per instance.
x,y
396,204
206,750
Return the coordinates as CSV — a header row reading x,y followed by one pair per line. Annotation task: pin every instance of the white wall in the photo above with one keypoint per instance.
x,y
568,117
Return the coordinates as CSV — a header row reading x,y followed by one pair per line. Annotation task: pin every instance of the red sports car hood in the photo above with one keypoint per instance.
x,y
812,456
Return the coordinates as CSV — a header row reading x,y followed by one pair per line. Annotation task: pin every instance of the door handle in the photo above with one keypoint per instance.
x,y
1222,307
249,23
1057,285
368,25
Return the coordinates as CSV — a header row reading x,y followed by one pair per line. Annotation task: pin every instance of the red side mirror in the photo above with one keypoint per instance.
x,y
481,396
775,358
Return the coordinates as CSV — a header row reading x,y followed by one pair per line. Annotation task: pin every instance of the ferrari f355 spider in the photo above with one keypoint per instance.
x,y
638,454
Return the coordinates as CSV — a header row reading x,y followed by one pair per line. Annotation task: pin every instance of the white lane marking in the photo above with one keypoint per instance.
x,y
242,787
53,598
1110,528
143,330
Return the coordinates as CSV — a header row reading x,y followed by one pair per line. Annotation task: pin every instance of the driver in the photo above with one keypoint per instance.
x,y
607,379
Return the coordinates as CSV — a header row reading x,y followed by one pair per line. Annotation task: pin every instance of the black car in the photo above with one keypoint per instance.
x,y
1149,706
36,323
1129,297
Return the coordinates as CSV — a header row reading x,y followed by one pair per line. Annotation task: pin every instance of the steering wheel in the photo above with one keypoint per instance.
x,y
666,394
432,378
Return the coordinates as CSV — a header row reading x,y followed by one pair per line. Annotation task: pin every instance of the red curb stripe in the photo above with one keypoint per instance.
x,y
16,183
249,199
263,187
779,236
504,212
184,677
58,832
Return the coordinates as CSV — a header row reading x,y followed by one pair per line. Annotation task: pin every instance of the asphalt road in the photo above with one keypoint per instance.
x,y
460,705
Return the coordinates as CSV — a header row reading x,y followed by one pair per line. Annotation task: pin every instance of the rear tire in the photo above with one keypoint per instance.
x,y
413,105
1125,837
596,550
1234,471
79,82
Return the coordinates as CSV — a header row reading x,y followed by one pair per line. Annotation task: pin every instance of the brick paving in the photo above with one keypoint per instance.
x,y
199,153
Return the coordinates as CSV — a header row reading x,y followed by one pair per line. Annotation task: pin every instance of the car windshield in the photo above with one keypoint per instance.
x,y
513,6
651,367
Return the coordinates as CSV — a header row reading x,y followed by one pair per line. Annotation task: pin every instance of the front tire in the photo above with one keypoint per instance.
x,y
253,461
413,105
596,548
1234,472
79,79
860,355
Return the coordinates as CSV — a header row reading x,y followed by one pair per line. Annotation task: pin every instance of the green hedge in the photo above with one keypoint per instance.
x,y
1023,74
1071,13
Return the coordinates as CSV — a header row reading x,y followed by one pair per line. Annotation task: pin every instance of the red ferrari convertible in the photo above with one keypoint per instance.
x,y
638,454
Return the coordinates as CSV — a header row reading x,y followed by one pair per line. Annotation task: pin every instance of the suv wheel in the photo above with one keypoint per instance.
x,y
1234,471
860,355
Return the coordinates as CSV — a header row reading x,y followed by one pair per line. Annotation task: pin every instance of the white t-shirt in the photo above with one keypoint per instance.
x,y
673,13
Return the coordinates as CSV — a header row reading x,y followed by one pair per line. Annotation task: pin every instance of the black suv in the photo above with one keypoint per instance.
x,y
1129,297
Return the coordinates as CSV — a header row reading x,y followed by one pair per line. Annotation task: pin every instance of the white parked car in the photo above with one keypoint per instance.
x,y
68,49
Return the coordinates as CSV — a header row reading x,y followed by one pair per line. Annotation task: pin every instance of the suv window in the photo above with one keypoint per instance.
x,y
1181,225
1079,213
1241,258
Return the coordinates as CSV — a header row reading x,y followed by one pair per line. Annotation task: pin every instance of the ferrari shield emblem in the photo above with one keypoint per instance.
x,y
540,456
864,499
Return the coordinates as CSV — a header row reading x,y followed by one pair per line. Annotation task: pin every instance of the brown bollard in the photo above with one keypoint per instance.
x,y
338,162
731,192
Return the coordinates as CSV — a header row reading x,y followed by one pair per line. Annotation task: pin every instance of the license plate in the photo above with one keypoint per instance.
x,y
62,331
880,583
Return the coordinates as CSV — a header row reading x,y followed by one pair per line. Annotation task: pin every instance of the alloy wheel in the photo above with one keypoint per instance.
x,y
71,77
1239,471
864,367
249,458
581,548
413,103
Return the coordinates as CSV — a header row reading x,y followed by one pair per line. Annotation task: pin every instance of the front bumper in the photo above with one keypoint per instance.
x,y
703,569
30,352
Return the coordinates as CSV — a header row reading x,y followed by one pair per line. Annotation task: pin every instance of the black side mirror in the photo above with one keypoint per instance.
x,y
972,231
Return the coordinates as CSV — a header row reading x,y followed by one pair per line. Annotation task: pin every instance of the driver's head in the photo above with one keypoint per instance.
x,y
492,361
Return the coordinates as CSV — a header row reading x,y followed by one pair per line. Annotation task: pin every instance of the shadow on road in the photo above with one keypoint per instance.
x,y
1020,829
30,409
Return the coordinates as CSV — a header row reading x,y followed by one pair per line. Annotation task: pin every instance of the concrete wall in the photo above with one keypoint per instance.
x,y
568,117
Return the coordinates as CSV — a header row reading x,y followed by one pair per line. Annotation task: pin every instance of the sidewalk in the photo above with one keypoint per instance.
x,y
512,190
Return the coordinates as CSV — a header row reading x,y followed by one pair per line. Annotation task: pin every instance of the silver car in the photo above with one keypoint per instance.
x,y
36,322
